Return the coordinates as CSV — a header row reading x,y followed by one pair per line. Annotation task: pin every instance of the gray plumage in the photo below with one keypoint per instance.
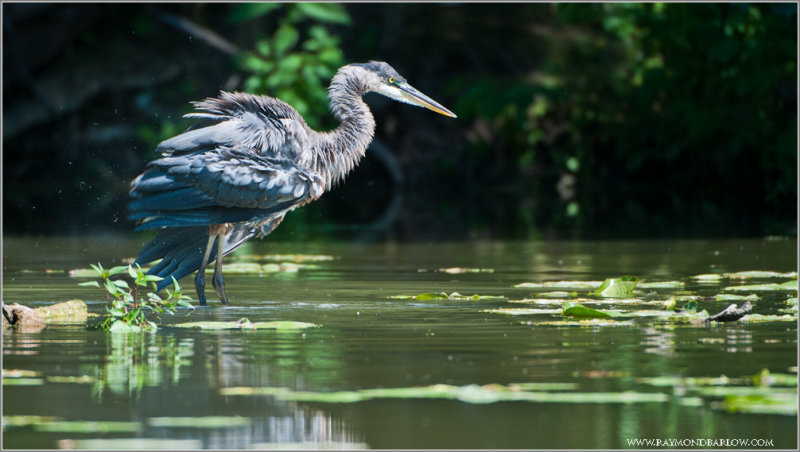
x,y
252,160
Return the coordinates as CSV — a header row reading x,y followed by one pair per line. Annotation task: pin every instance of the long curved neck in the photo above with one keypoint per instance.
x,y
340,150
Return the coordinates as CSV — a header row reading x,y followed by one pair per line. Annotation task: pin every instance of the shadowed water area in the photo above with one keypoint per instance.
x,y
506,379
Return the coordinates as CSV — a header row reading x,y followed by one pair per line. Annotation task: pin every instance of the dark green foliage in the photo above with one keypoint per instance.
x,y
284,67
575,120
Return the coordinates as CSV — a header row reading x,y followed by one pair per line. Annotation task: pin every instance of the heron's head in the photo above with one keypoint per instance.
x,y
381,78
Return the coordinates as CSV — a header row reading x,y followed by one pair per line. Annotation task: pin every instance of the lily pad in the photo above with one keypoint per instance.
x,y
759,318
788,285
199,422
557,294
578,310
661,285
583,322
295,257
70,379
617,287
522,311
785,404
26,420
561,284
87,426
133,444
445,296
22,381
766,378
734,297
753,274
244,324
238,267
708,278
459,270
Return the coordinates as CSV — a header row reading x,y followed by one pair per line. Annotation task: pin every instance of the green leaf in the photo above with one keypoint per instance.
x,y
324,12
117,270
88,426
90,283
111,288
284,38
788,285
248,11
617,287
690,307
577,310
122,284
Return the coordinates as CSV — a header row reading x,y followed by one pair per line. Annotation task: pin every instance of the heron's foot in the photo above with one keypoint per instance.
x,y
219,287
200,287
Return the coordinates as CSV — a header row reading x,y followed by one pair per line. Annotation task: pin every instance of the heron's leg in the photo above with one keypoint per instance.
x,y
200,279
216,281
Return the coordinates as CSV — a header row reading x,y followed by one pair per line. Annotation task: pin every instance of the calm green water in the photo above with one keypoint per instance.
x,y
367,340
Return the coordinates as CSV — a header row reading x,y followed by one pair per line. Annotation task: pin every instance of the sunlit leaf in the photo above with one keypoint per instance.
x,y
26,420
769,287
284,39
522,311
248,11
70,379
122,284
708,278
87,426
117,270
561,284
459,270
22,381
760,274
661,285
90,283
617,287
733,297
577,310
784,404
325,12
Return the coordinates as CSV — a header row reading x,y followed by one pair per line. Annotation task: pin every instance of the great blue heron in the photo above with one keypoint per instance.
x,y
220,185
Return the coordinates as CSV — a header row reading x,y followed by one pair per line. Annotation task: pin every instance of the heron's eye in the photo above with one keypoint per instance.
x,y
392,80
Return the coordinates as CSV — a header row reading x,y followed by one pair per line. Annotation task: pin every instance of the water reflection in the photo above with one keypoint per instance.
x,y
137,360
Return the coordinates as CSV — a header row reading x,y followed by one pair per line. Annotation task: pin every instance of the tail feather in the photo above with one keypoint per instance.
x,y
181,250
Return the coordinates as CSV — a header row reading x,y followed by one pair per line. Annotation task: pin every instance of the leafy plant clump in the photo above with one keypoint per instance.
x,y
129,309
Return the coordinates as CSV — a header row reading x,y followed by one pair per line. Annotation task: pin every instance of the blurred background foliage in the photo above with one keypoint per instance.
x,y
616,120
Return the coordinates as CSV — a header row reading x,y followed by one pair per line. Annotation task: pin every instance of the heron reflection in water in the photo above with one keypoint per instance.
x,y
254,160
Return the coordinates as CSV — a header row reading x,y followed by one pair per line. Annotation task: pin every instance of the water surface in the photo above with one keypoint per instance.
x,y
368,340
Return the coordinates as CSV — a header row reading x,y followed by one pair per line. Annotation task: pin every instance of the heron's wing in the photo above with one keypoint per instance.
x,y
267,125
226,185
